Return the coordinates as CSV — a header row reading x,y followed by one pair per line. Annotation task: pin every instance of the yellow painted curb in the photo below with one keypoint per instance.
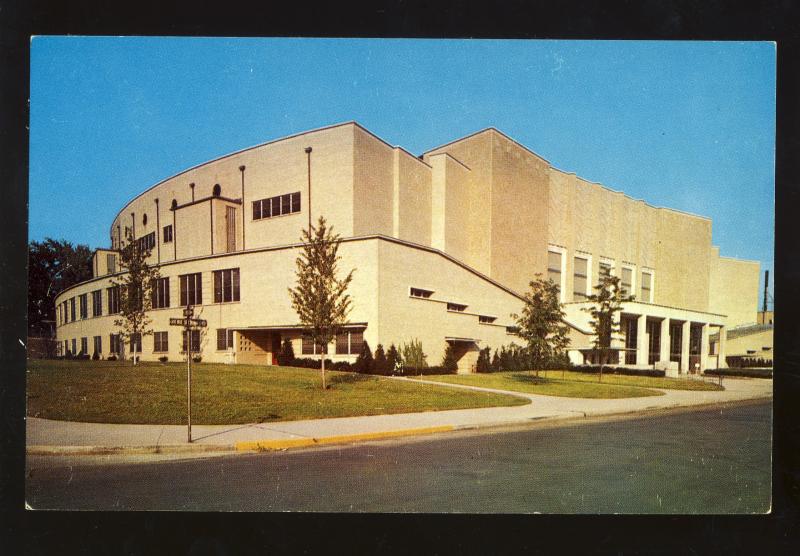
x,y
256,445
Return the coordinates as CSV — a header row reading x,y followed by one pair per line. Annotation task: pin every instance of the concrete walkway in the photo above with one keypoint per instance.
x,y
59,437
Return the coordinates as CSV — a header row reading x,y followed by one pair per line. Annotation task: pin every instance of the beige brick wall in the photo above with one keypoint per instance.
x,y
734,289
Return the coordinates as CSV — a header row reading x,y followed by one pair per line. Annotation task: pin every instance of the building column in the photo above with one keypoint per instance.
x,y
642,345
664,345
685,331
617,339
723,336
704,348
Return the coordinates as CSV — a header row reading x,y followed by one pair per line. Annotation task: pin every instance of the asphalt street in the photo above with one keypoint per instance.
x,y
693,462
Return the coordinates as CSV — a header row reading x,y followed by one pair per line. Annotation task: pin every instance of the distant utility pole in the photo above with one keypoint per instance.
x,y
766,289
308,155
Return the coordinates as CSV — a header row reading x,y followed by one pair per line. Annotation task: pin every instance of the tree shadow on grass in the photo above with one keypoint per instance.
x,y
349,378
531,379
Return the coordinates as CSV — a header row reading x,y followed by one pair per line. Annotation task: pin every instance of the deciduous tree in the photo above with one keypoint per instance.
x,y
605,303
136,284
320,297
541,323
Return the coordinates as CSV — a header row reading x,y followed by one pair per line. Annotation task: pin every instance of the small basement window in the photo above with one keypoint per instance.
x,y
512,329
457,307
485,319
419,292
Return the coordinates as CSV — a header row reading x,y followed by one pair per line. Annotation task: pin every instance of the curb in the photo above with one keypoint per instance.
x,y
263,445
126,450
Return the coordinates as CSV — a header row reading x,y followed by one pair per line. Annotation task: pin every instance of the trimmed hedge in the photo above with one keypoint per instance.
x,y
745,361
437,370
745,372
617,370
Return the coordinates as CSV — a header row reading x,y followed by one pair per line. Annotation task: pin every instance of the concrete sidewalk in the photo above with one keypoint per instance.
x,y
63,437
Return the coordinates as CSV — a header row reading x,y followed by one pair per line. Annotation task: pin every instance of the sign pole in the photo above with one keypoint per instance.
x,y
188,314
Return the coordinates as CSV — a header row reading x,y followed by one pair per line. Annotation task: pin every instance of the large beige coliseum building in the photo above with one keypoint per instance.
x,y
443,245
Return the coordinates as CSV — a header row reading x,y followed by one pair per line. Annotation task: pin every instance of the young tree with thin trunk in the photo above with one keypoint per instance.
x,y
541,323
320,297
136,285
606,302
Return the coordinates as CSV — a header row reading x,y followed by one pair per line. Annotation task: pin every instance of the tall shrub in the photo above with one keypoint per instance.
x,y
380,365
449,361
364,363
413,356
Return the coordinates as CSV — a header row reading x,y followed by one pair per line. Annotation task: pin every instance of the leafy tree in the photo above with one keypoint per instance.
x,y
605,303
393,359
364,362
53,266
136,285
413,356
286,355
449,361
541,323
320,297
381,365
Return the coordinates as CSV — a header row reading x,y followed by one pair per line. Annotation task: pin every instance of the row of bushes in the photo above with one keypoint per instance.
x,y
744,361
516,358
618,370
744,372
408,360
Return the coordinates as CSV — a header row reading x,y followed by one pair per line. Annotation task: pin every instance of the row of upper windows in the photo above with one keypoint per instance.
x,y
452,307
276,206
581,276
226,289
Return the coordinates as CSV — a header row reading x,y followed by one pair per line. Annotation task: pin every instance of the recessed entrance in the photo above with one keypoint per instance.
x,y
466,352
258,347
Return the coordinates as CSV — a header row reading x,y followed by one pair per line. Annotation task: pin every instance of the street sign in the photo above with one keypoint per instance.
x,y
188,322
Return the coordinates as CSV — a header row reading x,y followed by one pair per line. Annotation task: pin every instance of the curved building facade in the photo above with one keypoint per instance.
x,y
442,244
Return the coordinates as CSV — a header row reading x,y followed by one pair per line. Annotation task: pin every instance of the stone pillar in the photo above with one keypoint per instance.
x,y
723,336
704,348
642,345
685,330
664,346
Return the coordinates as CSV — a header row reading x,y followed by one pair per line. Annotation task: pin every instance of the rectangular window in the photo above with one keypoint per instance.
x,y
580,278
230,229
98,345
66,347
226,285
74,347
191,289
287,203
72,309
485,319
195,338
554,268
168,234
349,343
114,344
419,292
136,342
647,284
160,341
97,303
113,300
309,348
148,242
512,329
224,339
84,302
111,262
457,307
160,293
626,281
84,345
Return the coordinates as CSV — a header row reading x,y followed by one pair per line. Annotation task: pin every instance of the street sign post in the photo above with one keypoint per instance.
x,y
188,323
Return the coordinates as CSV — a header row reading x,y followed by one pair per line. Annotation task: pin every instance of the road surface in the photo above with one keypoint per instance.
x,y
706,461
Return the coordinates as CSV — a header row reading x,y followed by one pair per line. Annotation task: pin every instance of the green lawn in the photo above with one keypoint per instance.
x,y
152,393
553,385
577,385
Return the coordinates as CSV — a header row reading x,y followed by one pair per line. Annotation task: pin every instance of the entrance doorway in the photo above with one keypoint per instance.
x,y
258,347
466,352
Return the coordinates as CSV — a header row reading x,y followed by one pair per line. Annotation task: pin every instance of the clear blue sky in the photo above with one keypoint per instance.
x,y
687,125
